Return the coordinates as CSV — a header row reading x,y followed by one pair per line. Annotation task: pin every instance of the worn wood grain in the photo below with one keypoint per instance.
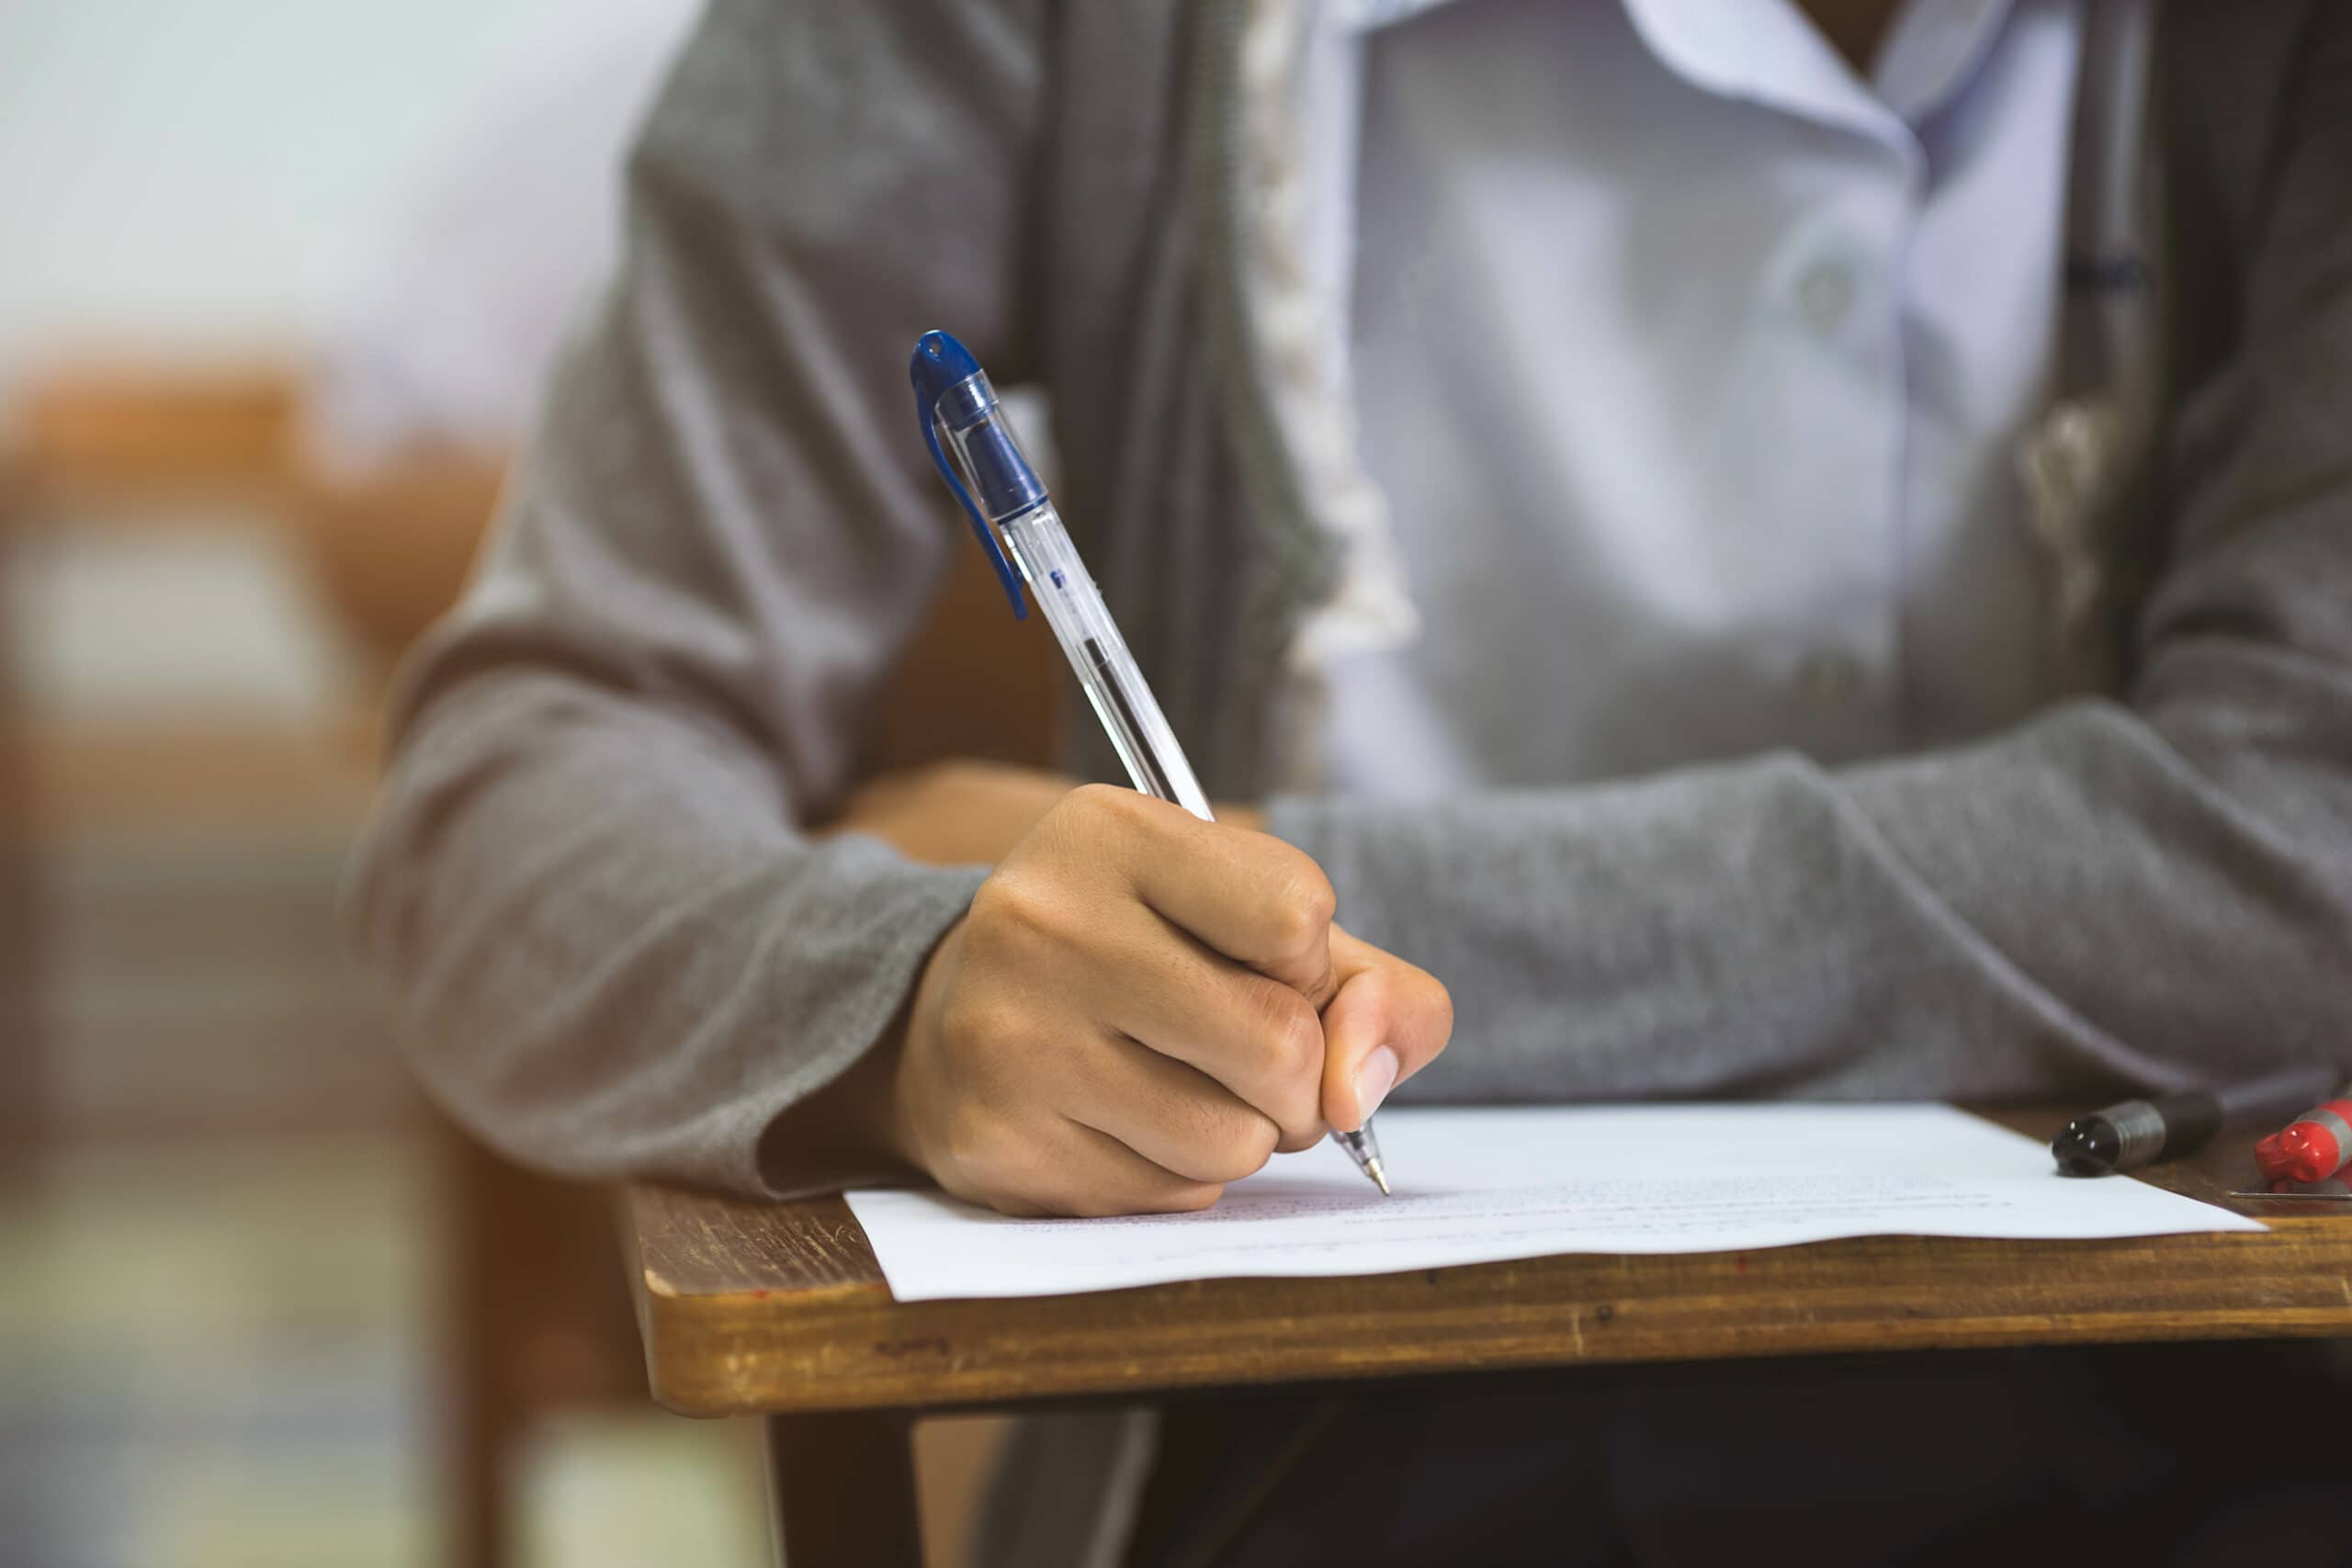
x,y
750,1307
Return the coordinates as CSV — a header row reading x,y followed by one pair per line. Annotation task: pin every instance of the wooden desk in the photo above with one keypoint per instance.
x,y
782,1310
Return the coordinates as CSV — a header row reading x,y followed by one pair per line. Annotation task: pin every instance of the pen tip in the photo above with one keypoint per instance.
x,y
1379,1177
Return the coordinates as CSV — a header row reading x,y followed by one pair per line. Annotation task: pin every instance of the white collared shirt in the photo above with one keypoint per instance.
x,y
1694,367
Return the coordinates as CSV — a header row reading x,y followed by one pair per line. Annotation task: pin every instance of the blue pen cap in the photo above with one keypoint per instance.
x,y
951,385
1003,484
991,476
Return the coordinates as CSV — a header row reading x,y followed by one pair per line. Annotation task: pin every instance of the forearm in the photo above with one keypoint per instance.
x,y
613,951
2079,904
613,954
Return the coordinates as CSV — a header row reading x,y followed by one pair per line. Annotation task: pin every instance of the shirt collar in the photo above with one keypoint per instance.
x,y
1368,16
1769,50
1932,50
1766,50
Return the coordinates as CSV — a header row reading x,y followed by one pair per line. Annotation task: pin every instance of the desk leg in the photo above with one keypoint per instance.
x,y
842,1488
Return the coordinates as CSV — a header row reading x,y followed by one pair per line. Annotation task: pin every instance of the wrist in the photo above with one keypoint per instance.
x,y
859,1123
898,1116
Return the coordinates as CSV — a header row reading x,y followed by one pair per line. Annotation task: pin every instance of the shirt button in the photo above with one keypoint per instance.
x,y
1829,676
1827,294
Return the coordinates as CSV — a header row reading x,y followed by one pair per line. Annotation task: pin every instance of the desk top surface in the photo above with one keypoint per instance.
x,y
746,1306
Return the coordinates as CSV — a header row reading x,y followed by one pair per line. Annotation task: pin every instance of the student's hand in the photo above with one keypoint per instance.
x,y
1141,1006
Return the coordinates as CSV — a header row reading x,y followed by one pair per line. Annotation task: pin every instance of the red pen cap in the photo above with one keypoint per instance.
x,y
2312,1147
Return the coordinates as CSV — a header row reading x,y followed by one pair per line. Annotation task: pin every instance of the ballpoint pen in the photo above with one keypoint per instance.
x,y
2139,1132
1018,527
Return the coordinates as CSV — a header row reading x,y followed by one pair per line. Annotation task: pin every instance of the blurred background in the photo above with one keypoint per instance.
x,y
277,282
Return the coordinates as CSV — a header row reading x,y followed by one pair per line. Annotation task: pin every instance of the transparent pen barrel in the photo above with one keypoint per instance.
x,y
1040,549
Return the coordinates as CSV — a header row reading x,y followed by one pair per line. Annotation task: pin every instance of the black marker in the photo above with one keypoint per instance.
x,y
2142,1131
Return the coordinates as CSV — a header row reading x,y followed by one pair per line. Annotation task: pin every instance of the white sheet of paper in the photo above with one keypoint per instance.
x,y
1480,1185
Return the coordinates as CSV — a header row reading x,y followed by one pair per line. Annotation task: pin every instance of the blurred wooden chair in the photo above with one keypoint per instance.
x,y
20,993
538,1316
98,437
539,1308
127,434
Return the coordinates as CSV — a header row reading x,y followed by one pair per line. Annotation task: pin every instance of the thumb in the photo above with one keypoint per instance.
x,y
1386,1022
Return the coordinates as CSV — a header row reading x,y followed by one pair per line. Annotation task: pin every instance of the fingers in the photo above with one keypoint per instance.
x,y
1251,898
1101,948
1056,1167
1255,1036
1140,1007
1180,1120
1389,1019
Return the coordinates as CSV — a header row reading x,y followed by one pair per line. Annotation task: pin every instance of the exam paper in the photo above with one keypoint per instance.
x,y
1485,1185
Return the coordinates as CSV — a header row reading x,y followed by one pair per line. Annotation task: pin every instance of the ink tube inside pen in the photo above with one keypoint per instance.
x,y
1006,492
1042,551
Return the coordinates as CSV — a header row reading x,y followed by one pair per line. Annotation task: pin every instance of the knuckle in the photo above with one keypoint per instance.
x,y
1103,806
1007,900
966,1138
1096,796
990,907
1289,1054
1253,1147
1290,1032
1016,912
980,1021
1233,1142
1299,914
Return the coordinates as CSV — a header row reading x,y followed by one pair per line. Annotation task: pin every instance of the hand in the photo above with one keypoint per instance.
x,y
1141,1006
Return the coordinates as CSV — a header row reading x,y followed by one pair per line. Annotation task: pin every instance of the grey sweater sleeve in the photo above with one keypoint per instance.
x,y
583,882
2150,890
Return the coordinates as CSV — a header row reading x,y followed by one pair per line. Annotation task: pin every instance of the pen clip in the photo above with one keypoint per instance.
x,y
927,415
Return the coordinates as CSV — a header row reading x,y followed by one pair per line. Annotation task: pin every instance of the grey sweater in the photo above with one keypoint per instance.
x,y
616,953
